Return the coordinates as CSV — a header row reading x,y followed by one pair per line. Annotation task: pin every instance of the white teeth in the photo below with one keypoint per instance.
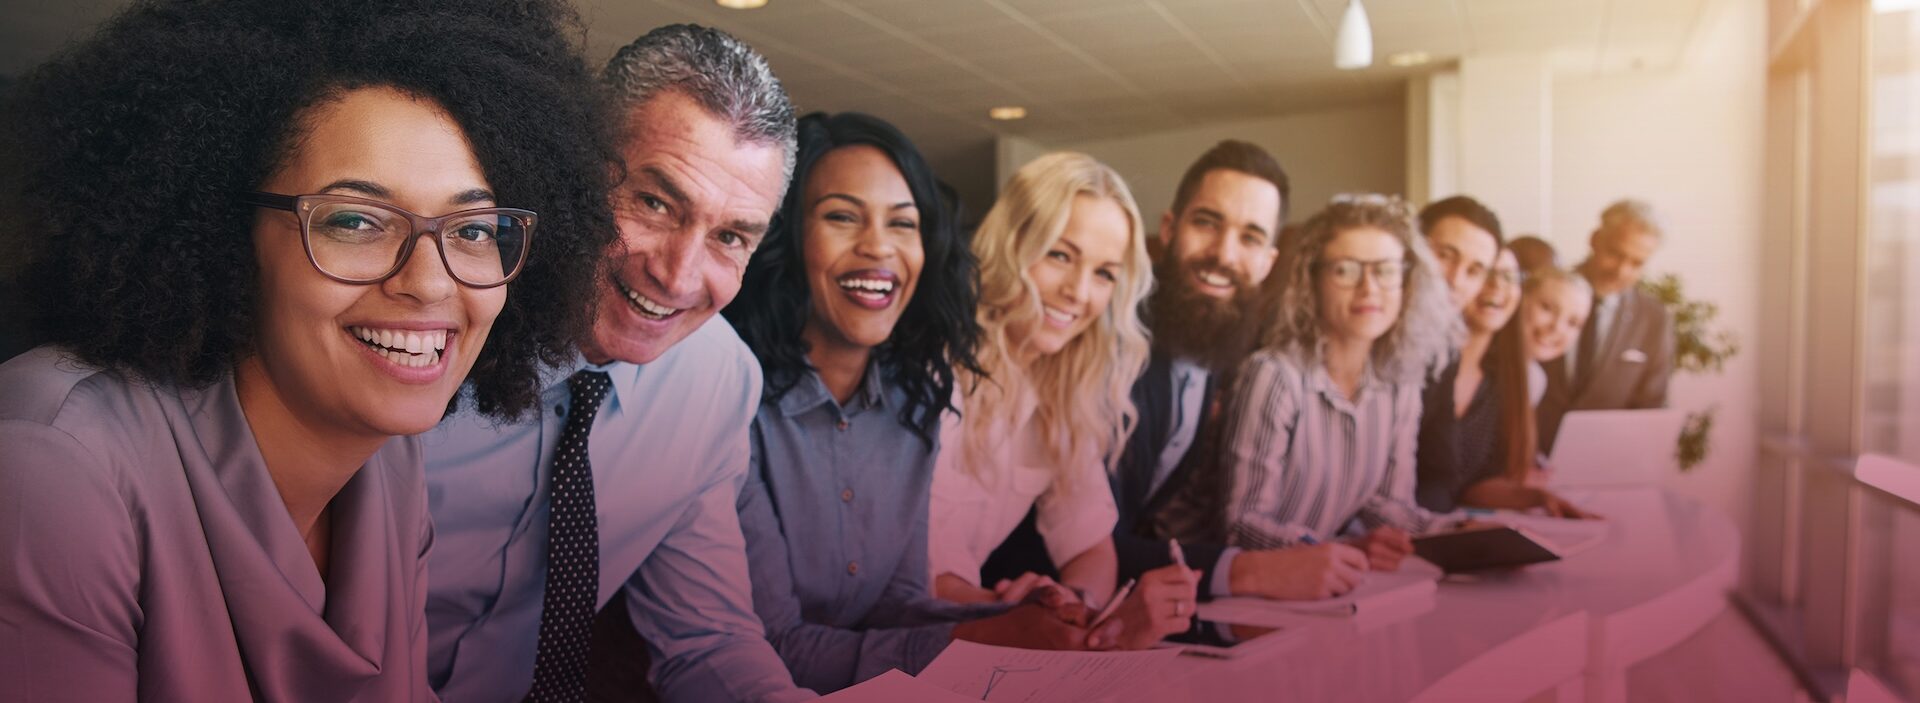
x,y
877,285
422,346
409,360
1060,317
1215,279
646,306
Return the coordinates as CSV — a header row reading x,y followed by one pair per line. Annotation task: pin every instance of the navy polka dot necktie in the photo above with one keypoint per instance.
x,y
573,554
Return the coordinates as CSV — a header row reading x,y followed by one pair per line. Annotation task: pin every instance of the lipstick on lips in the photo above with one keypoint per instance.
x,y
873,289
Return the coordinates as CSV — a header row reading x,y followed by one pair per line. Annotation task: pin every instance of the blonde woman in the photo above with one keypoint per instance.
x,y
1323,424
1063,269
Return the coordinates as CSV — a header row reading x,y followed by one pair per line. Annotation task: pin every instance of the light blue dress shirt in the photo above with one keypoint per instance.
x,y
669,452
835,514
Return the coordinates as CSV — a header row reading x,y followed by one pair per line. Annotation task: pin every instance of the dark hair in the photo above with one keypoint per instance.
x,y
1533,252
936,332
1506,365
123,156
1235,155
1464,208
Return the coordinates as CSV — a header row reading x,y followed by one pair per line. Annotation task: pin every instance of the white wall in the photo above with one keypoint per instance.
x,y
1689,141
1324,152
1506,137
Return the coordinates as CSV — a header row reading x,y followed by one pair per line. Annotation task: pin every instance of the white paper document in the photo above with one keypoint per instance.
x,y
1565,537
987,673
894,687
1403,589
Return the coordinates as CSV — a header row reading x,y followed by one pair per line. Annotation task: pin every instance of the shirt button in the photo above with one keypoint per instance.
x,y
853,567
843,425
559,411
846,496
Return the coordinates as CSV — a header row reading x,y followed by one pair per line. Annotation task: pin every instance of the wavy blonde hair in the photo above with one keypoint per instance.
x,y
1083,391
1429,327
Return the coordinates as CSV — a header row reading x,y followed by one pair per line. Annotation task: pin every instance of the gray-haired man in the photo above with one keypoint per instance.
x,y
1624,358
624,486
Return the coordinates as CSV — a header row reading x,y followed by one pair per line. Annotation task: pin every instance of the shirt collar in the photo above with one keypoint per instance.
x,y
811,392
621,374
1182,366
1322,382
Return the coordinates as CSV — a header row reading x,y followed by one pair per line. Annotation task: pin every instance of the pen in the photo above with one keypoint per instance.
x,y
1126,589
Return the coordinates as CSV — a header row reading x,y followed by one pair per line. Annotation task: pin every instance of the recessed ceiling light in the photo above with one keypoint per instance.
x,y
1409,58
741,4
1007,112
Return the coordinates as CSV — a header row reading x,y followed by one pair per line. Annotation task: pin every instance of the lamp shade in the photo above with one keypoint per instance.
x,y
1353,43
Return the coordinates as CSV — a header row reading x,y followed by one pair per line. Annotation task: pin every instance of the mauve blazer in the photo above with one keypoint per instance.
x,y
145,554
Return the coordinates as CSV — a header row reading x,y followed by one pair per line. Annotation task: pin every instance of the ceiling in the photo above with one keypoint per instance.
x,y
1084,69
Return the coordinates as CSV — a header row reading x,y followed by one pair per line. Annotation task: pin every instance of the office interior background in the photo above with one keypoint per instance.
x,y
1780,139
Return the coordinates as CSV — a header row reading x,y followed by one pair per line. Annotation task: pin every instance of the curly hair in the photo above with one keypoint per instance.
x,y
123,155
936,333
1085,390
1428,328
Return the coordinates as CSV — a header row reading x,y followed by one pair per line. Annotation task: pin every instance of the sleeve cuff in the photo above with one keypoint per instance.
x,y
1222,585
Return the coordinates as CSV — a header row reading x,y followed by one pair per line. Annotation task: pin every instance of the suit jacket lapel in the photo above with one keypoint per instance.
x,y
1625,331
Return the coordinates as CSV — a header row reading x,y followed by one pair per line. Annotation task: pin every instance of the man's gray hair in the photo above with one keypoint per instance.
x,y
1631,214
716,70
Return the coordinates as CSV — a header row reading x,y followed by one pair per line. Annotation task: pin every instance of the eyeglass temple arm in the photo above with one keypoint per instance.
x,y
270,200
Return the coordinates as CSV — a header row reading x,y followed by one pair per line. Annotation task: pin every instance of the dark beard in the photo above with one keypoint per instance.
x,y
1214,333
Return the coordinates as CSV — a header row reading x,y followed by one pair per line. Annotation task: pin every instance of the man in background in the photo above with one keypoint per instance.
x,y
1624,358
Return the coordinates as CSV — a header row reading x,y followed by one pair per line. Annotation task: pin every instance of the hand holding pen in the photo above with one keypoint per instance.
x,y
1158,604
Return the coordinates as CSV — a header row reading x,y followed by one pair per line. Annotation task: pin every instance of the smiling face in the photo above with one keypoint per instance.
x,y
695,203
1367,310
1223,242
1465,252
1498,298
382,359
860,237
1551,317
1076,276
1619,258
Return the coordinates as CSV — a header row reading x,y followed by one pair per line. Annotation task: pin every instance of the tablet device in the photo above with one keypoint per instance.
x,y
1478,548
1614,448
1222,640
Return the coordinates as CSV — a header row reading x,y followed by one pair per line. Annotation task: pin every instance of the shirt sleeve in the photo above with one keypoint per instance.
x,y
1393,503
1221,579
691,600
1652,391
70,579
1075,518
417,608
1259,431
949,539
822,657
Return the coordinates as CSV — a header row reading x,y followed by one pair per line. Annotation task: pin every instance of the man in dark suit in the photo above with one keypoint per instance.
x,y
1625,354
1214,248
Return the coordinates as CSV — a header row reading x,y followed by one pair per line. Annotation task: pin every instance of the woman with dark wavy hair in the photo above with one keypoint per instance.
x,y
266,243
860,307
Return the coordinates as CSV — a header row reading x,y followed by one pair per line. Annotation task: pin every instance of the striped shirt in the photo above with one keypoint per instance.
x,y
1305,460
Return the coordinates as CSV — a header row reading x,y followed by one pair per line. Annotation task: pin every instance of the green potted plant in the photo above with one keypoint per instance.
x,y
1699,347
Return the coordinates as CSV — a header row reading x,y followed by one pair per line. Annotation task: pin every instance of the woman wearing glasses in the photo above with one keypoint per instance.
x,y
1321,429
1478,443
257,270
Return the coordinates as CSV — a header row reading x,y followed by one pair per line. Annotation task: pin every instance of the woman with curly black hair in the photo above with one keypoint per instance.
x,y
265,243
859,307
